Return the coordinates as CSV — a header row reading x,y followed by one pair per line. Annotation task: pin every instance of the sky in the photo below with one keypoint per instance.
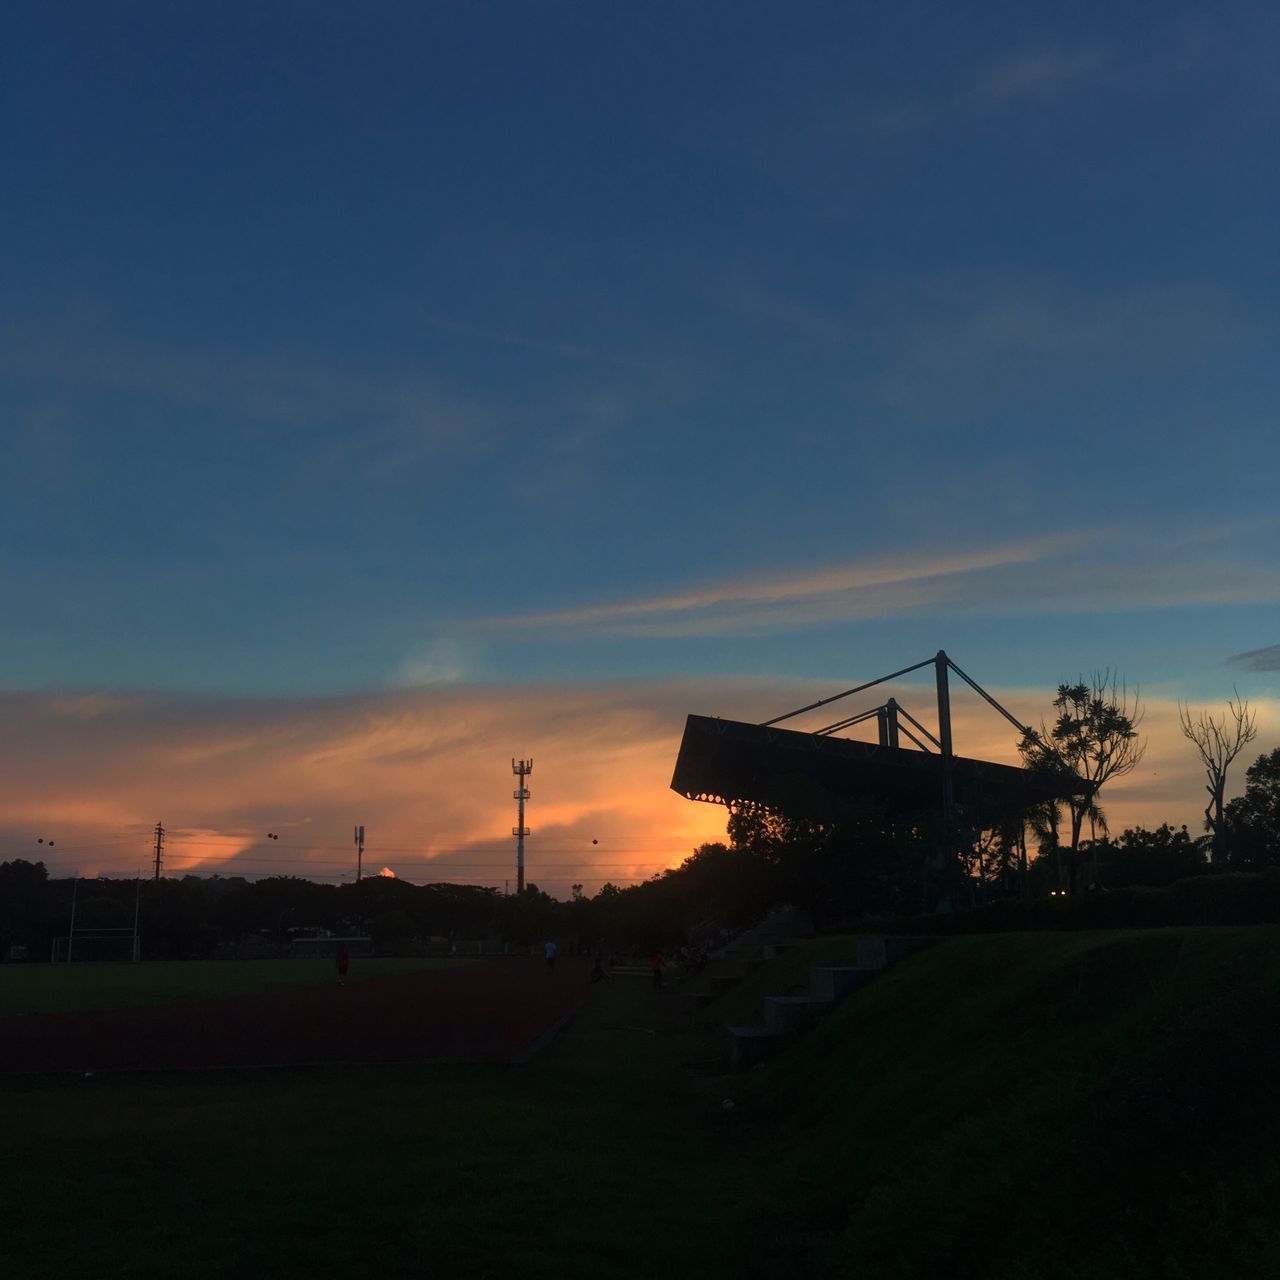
x,y
390,390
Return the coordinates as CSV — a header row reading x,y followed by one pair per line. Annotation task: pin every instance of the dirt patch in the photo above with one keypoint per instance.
x,y
491,1012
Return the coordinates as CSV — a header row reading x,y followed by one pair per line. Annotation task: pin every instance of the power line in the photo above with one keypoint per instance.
x,y
496,842
485,847
420,859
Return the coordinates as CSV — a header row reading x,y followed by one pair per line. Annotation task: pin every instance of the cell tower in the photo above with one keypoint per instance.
x,y
359,854
522,769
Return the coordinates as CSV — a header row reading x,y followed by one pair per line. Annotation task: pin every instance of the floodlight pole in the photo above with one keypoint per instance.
x,y
359,853
521,769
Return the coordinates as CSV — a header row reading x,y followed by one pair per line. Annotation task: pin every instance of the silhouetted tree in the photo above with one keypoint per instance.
x,y
1252,820
857,863
1218,740
1095,737
24,907
994,860
392,931
528,917
1143,857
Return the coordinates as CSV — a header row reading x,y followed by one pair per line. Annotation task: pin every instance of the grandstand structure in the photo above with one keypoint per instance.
x,y
820,774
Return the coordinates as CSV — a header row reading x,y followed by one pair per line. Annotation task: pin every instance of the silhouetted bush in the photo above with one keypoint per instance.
x,y
1239,898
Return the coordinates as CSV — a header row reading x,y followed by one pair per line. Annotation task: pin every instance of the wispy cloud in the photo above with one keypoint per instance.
x,y
1040,73
960,322
1037,73
1237,48
399,419
501,337
1267,659
978,339
1101,570
939,335
439,661
774,308
811,595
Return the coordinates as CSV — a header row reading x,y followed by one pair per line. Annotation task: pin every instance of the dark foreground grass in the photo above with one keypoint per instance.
x,y
62,988
1083,1106
593,1162
1099,1105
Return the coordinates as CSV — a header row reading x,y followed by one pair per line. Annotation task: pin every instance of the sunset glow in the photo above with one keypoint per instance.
x,y
376,429
428,774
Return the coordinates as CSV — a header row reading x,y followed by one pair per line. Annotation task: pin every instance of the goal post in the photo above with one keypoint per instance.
x,y
98,942
104,945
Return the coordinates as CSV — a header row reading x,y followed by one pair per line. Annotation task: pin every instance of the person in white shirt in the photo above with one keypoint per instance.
x,y
550,951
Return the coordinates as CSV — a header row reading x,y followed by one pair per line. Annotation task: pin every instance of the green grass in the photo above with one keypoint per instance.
x,y
1073,1107
592,1162
43,988
1096,1105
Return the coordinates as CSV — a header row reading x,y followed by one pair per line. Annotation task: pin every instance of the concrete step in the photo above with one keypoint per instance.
x,y
677,1009
790,1013
896,948
757,952
786,1016
830,982
749,1045
686,1003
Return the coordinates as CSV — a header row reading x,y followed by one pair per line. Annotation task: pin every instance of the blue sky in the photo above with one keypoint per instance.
x,y
351,348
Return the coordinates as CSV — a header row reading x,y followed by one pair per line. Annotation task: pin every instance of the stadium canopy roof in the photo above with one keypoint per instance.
x,y
819,776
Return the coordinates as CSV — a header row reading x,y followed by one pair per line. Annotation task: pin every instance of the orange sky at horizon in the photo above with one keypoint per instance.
x,y
428,774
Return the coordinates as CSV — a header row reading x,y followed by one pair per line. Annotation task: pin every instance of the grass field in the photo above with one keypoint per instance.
x,y
1075,1107
47,988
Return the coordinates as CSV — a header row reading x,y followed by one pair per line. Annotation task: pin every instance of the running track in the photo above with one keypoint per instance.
x,y
490,1012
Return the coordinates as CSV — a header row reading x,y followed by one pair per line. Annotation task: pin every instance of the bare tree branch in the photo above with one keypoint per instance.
x,y
1218,740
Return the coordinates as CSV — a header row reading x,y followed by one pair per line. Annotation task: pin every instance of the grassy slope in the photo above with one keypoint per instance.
x,y
1051,1105
1096,1105
46,988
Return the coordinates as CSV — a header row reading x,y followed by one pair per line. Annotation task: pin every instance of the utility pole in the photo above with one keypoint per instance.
x,y
159,848
359,854
522,769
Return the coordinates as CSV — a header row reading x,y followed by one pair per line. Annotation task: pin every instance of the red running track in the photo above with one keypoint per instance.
x,y
490,1012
